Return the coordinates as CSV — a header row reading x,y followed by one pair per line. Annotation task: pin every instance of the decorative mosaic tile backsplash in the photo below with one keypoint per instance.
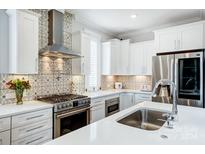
x,y
128,82
54,75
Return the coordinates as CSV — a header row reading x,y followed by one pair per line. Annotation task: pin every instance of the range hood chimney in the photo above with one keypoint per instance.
x,y
55,46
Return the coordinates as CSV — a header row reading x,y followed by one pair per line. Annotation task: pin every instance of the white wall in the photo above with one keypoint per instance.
x,y
4,25
77,26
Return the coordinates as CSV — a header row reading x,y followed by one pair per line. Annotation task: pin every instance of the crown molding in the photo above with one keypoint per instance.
x,y
133,33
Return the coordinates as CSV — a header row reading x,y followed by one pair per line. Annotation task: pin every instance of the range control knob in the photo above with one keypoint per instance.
x,y
64,105
59,106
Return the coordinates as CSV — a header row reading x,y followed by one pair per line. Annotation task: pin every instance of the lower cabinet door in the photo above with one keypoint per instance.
x,y
142,97
5,138
98,112
36,139
126,100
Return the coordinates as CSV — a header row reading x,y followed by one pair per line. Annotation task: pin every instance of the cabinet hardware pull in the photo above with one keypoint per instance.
x,y
34,128
34,117
34,140
178,44
72,113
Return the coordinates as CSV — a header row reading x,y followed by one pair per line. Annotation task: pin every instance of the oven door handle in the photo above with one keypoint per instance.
x,y
72,112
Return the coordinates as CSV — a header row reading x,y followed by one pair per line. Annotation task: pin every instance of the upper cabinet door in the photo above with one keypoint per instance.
x,y
183,37
123,57
115,57
27,43
111,57
136,59
106,58
23,42
191,37
166,41
141,58
148,52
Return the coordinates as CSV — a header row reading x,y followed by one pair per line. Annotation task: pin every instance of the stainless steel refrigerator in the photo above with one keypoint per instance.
x,y
185,68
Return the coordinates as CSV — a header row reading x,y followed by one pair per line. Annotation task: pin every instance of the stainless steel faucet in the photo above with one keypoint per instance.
x,y
166,82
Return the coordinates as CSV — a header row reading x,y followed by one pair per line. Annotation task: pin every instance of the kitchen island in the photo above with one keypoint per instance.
x,y
188,129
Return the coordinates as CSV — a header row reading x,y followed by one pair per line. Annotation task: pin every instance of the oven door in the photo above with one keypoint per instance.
x,y
189,78
68,121
112,106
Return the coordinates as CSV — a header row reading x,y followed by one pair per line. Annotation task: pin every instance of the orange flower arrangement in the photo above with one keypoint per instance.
x,y
19,86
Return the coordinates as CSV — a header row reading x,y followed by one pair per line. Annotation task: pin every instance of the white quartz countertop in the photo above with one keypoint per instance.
x,y
103,93
188,129
27,106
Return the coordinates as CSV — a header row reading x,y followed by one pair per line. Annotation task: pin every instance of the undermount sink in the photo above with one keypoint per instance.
x,y
146,119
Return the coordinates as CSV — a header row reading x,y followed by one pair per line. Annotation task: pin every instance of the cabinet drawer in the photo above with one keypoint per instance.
x,y
5,138
36,139
32,117
5,124
22,132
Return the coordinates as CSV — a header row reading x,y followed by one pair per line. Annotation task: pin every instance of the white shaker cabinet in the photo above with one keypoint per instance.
x,y
115,57
97,110
126,100
23,41
183,37
148,51
136,59
123,58
191,37
80,44
166,41
142,97
140,61
110,57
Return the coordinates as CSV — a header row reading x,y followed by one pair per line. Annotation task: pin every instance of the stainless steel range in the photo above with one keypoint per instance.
x,y
71,112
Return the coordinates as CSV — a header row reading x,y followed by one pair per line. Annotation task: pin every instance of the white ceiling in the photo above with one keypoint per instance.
x,y
118,21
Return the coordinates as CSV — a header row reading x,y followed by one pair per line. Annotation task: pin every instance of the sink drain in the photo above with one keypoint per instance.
x,y
164,136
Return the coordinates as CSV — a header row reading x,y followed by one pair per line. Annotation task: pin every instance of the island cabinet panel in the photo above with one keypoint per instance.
x,y
23,42
5,124
5,138
32,128
5,130
35,139
31,117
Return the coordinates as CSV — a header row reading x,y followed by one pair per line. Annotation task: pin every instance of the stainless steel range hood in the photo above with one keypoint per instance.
x,y
55,46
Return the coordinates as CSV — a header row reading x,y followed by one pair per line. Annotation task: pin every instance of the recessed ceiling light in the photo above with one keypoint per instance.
x,y
133,16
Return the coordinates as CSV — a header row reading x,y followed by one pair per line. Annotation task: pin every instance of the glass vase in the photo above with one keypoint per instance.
x,y
19,96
